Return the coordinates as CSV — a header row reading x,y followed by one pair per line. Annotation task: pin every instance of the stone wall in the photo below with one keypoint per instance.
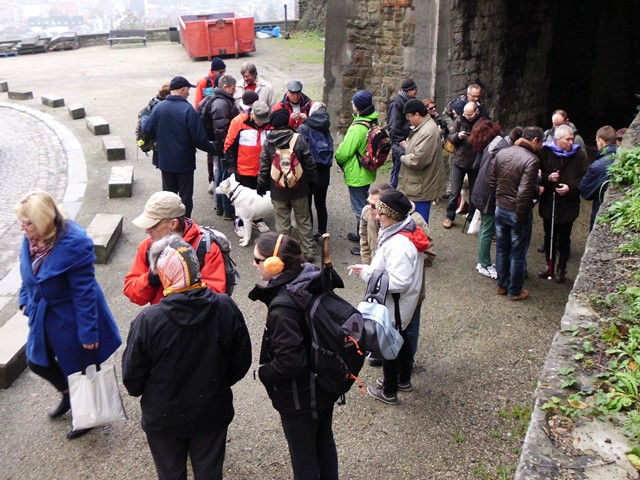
x,y
313,15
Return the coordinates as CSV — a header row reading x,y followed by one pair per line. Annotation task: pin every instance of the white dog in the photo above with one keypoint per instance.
x,y
248,204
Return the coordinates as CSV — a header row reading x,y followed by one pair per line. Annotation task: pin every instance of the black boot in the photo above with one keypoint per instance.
x,y
73,434
561,273
63,407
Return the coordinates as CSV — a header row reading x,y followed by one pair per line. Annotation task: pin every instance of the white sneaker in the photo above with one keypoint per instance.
x,y
212,188
484,271
261,226
239,230
493,271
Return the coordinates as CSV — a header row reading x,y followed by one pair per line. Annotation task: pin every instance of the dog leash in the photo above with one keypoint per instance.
x,y
231,199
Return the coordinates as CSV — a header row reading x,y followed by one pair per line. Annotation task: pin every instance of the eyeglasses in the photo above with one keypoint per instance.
x,y
258,260
372,206
433,107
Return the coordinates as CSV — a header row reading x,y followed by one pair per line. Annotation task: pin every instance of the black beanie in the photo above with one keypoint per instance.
x,y
249,97
279,118
217,64
415,106
409,84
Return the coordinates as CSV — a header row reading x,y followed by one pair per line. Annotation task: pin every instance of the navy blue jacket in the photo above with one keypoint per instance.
x,y
178,130
596,180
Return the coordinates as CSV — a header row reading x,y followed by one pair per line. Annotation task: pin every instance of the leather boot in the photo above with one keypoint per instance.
x,y
63,407
561,272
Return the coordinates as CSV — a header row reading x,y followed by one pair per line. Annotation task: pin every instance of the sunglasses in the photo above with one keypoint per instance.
x,y
258,260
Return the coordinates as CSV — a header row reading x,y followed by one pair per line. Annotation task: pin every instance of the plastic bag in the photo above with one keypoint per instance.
x,y
95,397
474,225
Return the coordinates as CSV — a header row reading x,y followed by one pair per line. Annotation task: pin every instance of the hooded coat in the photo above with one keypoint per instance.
x,y
321,122
183,355
354,146
284,356
65,304
399,253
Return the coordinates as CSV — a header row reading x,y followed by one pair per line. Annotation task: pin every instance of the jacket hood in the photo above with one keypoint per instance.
x,y
416,235
280,138
190,308
320,120
368,114
220,93
72,249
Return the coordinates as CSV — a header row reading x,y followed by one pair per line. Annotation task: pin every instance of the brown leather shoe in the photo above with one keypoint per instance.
x,y
560,276
501,291
523,294
447,223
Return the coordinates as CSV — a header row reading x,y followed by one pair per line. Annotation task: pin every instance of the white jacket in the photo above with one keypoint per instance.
x,y
399,257
263,89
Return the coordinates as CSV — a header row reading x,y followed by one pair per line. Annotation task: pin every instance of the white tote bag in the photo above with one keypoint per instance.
x,y
474,225
95,397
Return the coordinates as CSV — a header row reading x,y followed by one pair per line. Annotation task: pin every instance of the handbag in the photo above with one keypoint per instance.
x,y
95,396
476,221
382,334
448,146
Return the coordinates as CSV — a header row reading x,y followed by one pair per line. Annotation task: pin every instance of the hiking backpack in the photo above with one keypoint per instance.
x,y
204,110
209,235
286,169
145,143
337,337
378,146
321,146
208,89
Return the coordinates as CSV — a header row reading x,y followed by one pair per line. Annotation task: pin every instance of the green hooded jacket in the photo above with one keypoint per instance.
x,y
355,175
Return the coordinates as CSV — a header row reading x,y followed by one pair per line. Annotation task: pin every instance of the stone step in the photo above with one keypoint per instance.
x,y
121,182
20,94
105,230
4,86
98,125
113,147
76,111
52,101
13,342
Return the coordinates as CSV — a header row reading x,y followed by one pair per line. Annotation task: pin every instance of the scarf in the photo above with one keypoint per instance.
x,y
559,152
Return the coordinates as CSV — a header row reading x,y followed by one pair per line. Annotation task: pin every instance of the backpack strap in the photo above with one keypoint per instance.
x,y
208,80
396,308
204,246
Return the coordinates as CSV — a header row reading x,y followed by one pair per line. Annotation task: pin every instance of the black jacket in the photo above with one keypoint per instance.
x,y
182,355
280,138
284,365
320,121
483,196
399,126
464,155
221,109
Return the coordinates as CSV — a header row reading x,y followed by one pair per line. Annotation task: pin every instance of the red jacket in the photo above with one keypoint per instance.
x,y
202,84
305,106
243,145
136,283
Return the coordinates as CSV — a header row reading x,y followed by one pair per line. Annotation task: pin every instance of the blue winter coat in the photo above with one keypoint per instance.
x,y
178,130
65,303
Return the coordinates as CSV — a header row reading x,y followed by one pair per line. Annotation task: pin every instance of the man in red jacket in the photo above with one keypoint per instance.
x,y
163,214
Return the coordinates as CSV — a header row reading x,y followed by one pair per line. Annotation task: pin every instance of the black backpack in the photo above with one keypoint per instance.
x,y
321,146
337,340
204,109
145,143
209,235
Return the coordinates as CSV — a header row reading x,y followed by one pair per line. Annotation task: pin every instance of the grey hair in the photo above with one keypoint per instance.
x,y
473,86
317,106
226,80
158,247
248,67
562,130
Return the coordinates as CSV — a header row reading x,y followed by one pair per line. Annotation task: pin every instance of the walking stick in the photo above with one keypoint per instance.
x,y
553,221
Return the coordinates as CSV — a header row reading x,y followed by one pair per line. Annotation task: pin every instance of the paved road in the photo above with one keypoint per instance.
x,y
479,357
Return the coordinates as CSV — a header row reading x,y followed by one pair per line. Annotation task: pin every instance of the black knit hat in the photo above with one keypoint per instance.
x,y
249,97
217,64
279,118
415,106
395,204
409,84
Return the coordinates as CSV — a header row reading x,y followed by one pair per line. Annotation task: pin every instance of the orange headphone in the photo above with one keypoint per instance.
x,y
274,265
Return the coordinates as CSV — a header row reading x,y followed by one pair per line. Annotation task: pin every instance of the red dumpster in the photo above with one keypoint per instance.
x,y
214,34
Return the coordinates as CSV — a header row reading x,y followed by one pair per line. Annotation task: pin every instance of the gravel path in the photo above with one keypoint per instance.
x,y
479,356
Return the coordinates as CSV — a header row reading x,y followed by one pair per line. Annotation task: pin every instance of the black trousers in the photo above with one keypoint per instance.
x,y
206,451
181,184
320,201
398,369
311,444
561,239
52,373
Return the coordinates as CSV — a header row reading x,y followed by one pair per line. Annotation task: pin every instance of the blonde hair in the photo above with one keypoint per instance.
x,y
40,208
316,106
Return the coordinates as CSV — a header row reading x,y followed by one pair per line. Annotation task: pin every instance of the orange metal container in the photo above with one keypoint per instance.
x,y
216,34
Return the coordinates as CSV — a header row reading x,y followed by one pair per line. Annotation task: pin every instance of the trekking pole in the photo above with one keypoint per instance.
x,y
553,221
326,260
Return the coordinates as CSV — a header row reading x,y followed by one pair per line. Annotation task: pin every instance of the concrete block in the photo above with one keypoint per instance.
x,y
105,230
113,147
76,111
4,86
121,182
52,101
98,125
21,94
13,342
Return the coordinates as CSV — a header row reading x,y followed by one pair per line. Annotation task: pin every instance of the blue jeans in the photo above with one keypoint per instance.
x,y
511,249
396,152
223,200
358,196
424,209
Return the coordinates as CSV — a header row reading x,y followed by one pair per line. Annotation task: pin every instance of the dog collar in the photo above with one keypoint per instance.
x,y
231,199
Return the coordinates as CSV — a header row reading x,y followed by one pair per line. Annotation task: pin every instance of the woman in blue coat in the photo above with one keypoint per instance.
x,y
68,313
